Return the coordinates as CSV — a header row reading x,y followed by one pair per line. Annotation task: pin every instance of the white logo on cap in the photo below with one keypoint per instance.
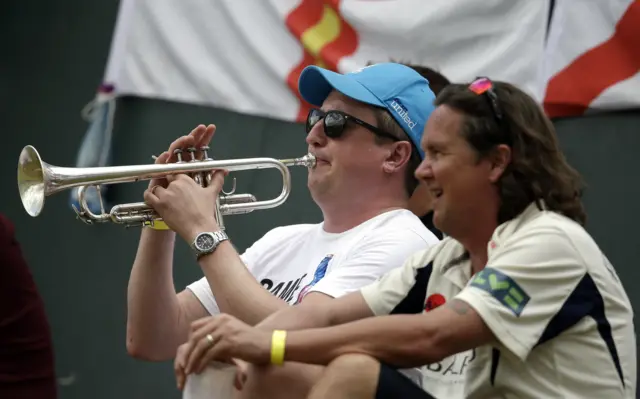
x,y
403,113
361,69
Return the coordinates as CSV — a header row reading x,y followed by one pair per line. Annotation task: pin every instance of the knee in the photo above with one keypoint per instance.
x,y
251,380
278,382
353,362
354,367
348,376
260,377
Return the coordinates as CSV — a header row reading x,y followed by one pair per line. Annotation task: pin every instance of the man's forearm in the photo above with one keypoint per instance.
x,y
319,310
154,330
297,317
236,290
403,341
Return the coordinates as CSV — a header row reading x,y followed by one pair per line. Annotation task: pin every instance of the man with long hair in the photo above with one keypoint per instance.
x,y
543,308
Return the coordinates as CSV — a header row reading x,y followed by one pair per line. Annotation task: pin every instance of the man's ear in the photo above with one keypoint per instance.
x,y
500,158
399,154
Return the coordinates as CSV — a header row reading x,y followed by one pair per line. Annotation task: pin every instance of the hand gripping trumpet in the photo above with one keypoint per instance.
x,y
38,180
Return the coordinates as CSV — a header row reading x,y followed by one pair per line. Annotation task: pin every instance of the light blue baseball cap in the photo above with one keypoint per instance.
x,y
395,87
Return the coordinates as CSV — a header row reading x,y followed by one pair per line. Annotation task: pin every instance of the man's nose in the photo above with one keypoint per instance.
x,y
424,171
316,136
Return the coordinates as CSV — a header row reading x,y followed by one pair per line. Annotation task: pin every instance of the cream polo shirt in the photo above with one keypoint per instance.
x,y
428,280
561,318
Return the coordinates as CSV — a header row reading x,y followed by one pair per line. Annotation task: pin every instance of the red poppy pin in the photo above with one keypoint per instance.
x,y
434,301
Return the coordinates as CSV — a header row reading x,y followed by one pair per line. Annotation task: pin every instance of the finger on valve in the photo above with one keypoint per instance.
x,y
160,159
170,156
181,143
200,151
203,136
175,153
206,137
178,156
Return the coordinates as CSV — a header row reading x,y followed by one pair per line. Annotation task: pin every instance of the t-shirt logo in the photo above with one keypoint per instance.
x,y
503,288
434,301
321,270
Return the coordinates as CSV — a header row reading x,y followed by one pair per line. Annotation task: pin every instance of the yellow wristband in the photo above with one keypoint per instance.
x,y
277,347
157,225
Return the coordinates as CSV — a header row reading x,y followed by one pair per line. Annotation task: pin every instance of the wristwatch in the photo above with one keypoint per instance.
x,y
207,242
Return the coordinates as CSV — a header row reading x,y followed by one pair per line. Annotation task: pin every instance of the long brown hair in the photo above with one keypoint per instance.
x,y
538,169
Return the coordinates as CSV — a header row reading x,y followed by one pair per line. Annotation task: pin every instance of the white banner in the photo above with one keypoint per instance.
x,y
592,57
246,55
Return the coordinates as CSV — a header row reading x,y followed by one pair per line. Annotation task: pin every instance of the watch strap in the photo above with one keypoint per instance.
x,y
218,237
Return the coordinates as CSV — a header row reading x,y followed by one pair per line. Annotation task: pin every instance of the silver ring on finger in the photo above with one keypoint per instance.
x,y
209,338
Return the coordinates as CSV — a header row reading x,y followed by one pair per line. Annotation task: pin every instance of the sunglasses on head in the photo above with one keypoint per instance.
x,y
483,85
335,123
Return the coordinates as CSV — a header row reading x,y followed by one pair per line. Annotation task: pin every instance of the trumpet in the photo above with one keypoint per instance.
x,y
38,180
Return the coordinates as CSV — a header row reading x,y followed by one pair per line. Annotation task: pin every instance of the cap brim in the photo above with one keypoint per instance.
x,y
316,83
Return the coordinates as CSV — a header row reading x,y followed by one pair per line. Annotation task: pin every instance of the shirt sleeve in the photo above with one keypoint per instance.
x,y
250,257
522,294
370,259
403,289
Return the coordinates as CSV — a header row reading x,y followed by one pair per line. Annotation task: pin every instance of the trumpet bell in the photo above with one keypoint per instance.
x,y
31,180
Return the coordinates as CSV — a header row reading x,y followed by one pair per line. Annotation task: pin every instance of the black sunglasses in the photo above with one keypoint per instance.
x,y
336,121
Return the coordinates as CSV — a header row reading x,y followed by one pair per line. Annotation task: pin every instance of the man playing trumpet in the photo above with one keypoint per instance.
x,y
365,136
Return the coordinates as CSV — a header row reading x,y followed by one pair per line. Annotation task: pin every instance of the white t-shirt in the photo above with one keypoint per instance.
x,y
292,261
429,279
562,320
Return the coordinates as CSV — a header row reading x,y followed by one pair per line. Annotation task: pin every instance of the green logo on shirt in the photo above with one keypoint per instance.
x,y
502,288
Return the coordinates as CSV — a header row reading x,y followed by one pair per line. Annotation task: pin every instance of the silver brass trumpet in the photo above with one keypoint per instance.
x,y
38,180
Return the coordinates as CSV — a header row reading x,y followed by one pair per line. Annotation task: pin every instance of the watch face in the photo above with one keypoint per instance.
x,y
204,242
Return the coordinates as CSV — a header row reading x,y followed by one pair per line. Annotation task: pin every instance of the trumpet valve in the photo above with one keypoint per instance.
x,y
237,199
192,153
232,204
178,153
205,153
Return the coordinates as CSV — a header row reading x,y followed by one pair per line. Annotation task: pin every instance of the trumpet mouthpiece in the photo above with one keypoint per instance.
x,y
311,160
308,160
